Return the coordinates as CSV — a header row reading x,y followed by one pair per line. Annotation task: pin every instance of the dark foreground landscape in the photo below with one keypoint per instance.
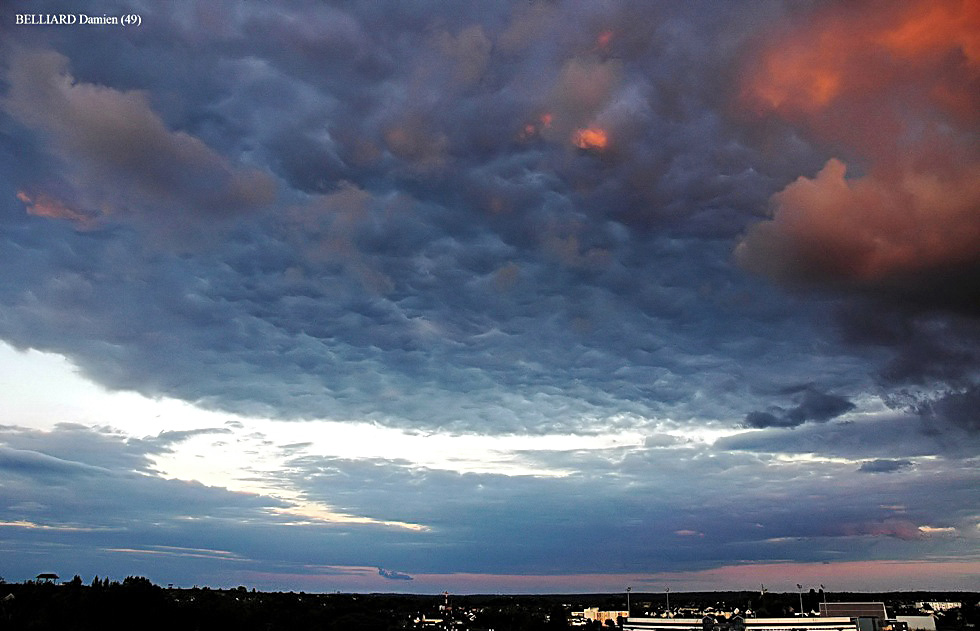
x,y
136,603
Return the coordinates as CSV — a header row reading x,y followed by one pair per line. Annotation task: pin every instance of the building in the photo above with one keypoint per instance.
x,y
918,623
938,606
854,610
593,613
738,623
868,616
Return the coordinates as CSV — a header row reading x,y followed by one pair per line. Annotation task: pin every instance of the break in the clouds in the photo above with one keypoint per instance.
x,y
648,275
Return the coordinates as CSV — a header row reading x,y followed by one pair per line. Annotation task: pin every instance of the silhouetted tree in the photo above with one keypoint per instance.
x,y
558,618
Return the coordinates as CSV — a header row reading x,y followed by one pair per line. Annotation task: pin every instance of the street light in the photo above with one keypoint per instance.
x,y
800,587
667,589
628,590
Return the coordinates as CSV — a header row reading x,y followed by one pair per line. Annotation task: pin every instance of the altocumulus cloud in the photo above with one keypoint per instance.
x,y
458,261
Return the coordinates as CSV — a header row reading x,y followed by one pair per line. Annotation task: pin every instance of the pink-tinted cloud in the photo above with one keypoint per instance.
x,y
585,86
325,228
122,158
469,50
837,576
895,89
688,533
897,528
603,40
414,142
43,205
868,228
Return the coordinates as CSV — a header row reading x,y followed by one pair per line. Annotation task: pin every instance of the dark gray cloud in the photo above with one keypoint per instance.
x,y
813,405
961,409
882,465
34,463
928,358
886,435
765,419
75,445
819,406
393,575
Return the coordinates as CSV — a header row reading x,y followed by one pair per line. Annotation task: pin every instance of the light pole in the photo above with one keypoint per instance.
x,y
628,590
667,590
800,587
823,590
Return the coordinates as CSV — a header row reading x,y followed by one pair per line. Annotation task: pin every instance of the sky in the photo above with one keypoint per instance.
x,y
539,296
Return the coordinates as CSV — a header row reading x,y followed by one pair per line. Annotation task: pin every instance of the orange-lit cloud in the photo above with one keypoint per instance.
x,y
898,90
42,205
929,28
603,40
584,88
795,78
864,57
590,138
538,127
688,533
863,229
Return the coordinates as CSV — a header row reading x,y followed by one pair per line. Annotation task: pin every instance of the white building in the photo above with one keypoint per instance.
x,y
739,624
593,613
939,606
918,623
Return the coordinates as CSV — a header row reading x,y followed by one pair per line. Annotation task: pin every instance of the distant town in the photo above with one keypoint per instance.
x,y
50,602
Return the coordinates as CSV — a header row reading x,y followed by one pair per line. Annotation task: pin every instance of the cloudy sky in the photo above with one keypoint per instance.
x,y
548,295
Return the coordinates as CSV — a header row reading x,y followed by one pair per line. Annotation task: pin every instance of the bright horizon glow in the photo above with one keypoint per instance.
x,y
238,455
245,454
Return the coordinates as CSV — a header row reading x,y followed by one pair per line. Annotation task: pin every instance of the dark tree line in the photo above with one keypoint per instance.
x,y
136,603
